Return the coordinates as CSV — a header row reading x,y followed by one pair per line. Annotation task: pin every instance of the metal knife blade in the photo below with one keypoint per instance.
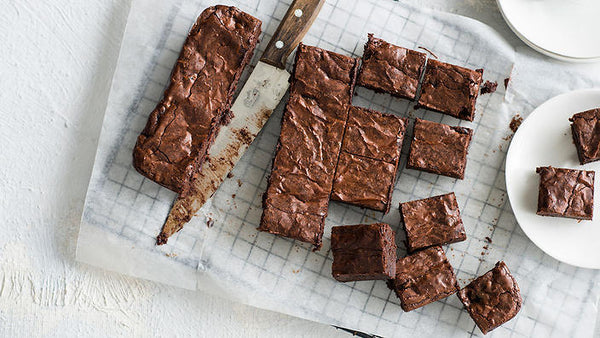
x,y
258,98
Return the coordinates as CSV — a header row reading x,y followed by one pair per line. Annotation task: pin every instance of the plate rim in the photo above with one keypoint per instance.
x,y
507,178
539,49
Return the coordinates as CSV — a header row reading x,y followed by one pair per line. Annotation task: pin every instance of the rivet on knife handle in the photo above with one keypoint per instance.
x,y
291,30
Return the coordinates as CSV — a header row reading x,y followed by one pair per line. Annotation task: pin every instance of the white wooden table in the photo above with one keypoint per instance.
x,y
56,64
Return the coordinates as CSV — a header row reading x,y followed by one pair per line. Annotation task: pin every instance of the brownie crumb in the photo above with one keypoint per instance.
x,y
515,123
239,183
210,222
487,239
244,136
230,175
428,51
233,196
227,117
390,284
506,81
489,87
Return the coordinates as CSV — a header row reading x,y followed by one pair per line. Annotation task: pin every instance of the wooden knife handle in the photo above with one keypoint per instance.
x,y
291,30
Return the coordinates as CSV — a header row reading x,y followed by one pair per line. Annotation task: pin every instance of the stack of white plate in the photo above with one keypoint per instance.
x,y
567,30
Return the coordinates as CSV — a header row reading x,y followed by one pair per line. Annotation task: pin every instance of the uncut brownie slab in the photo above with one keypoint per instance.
x,y
423,277
173,145
439,148
566,193
450,89
368,163
585,128
312,128
391,69
492,299
363,252
432,221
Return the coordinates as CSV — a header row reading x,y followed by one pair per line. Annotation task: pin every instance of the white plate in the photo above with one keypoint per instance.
x,y
564,29
544,139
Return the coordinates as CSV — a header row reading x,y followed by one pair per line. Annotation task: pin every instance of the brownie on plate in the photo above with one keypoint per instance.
x,y
586,135
566,193
439,148
450,89
432,221
368,163
492,299
423,277
391,69
363,252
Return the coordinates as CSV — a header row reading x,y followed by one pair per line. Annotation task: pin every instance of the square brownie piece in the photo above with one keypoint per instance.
x,y
364,182
492,299
424,277
566,193
440,149
363,252
432,221
372,134
450,89
391,69
586,135
368,163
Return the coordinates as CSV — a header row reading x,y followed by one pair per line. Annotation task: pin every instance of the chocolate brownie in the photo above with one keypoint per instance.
x,y
432,221
439,148
368,163
424,277
391,69
363,252
173,145
312,128
566,193
585,127
450,89
492,299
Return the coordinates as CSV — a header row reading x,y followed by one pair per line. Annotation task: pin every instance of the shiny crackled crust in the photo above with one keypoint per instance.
x,y
439,148
492,299
450,89
368,163
363,252
432,221
312,128
391,69
423,277
173,145
566,193
585,128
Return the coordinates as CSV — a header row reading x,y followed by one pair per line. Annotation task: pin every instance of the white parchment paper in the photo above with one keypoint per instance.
x,y
124,211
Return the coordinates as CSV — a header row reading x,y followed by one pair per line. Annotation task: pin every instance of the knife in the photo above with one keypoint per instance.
x,y
262,92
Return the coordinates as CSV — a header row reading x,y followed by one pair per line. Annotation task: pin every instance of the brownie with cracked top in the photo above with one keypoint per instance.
x,y
450,89
492,299
423,277
566,193
173,146
312,128
585,128
368,162
439,148
432,221
363,252
391,69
